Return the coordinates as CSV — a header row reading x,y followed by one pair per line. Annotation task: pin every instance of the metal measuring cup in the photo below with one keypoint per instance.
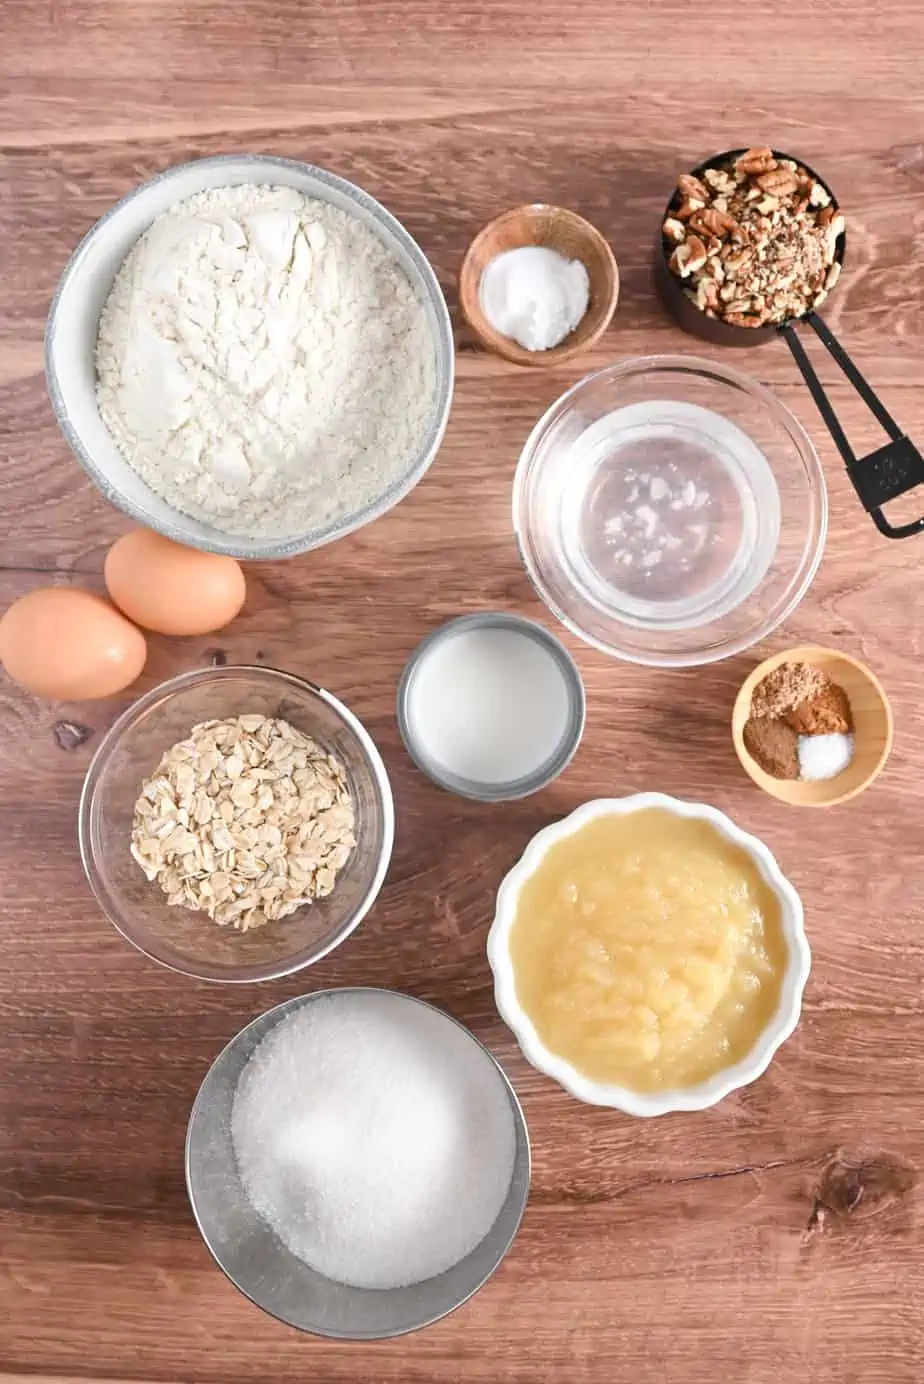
x,y
879,476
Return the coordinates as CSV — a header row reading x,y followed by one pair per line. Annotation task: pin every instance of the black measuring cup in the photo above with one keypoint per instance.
x,y
880,476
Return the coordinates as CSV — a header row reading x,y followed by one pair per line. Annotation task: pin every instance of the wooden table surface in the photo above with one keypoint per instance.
x,y
774,1238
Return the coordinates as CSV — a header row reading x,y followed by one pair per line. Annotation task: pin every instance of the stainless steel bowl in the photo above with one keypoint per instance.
x,y
73,322
261,1267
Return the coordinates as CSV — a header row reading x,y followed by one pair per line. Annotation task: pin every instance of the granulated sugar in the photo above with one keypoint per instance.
x,y
375,1138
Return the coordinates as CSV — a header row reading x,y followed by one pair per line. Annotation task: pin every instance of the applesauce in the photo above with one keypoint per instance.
x,y
647,950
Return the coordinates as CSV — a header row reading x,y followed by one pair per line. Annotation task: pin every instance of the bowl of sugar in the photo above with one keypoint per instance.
x,y
399,1131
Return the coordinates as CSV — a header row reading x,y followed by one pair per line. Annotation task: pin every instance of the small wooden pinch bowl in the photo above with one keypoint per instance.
x,y
559,229
872,716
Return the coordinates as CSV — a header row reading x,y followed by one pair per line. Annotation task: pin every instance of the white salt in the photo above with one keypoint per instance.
x,y
489,705
375,1138
824,756
534,295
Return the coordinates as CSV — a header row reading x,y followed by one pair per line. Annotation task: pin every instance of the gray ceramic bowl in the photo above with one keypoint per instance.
x,y
261,1267
70,343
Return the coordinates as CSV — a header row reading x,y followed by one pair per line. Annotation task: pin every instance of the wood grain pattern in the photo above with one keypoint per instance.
x,y
775,1238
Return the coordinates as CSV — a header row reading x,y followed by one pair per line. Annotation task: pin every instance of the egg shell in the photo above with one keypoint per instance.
x,y
165,587
70,645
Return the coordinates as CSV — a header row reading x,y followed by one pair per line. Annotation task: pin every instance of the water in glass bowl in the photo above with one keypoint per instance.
x,y
671,514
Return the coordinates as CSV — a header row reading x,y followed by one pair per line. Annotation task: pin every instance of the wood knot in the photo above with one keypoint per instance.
x,y
857,1187
907,158
70,735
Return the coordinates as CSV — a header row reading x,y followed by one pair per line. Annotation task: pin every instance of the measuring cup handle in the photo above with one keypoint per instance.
x,y
816,389
882,475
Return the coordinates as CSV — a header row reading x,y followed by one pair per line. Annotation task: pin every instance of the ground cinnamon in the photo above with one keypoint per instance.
x,y
774,745
826,714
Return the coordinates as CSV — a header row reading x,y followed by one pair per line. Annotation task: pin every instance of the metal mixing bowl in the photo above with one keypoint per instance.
x,y
73,322
259,1264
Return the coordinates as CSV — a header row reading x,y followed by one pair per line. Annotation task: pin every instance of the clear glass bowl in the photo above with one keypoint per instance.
x,y
670,511
190,942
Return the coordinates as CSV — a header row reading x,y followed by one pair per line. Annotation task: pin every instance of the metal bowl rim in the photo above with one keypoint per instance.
x,y
278,1013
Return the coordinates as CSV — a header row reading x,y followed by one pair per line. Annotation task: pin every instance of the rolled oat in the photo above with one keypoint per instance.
x,y
245,820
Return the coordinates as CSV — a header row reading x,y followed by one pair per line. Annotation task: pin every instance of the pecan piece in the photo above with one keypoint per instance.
x,y
711,222
688,207
741,319
689,186
674,229
779,182
720,180
755,161
688,258
707,295
832,234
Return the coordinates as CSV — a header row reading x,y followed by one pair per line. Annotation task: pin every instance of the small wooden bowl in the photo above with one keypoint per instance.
x,y
558,229
872,716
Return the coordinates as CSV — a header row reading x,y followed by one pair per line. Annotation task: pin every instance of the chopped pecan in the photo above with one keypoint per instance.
x,y
689,186
712,222
674,229
688,257
755,161
769,232
780,182
688,207
707,294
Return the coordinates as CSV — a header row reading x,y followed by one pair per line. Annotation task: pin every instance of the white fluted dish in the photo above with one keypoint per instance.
x,y
707,1093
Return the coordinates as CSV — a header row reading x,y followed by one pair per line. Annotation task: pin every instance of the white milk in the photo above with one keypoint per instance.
x,y
489,705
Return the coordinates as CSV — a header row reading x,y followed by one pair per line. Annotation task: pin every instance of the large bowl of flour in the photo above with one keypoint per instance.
x,y
251,356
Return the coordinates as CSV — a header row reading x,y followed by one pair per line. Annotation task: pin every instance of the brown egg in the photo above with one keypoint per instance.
x,y
175,590
70,645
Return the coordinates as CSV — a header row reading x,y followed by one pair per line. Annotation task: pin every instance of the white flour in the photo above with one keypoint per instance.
x,y
263,361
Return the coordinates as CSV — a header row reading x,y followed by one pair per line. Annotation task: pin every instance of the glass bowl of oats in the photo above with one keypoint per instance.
x,y
236,823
